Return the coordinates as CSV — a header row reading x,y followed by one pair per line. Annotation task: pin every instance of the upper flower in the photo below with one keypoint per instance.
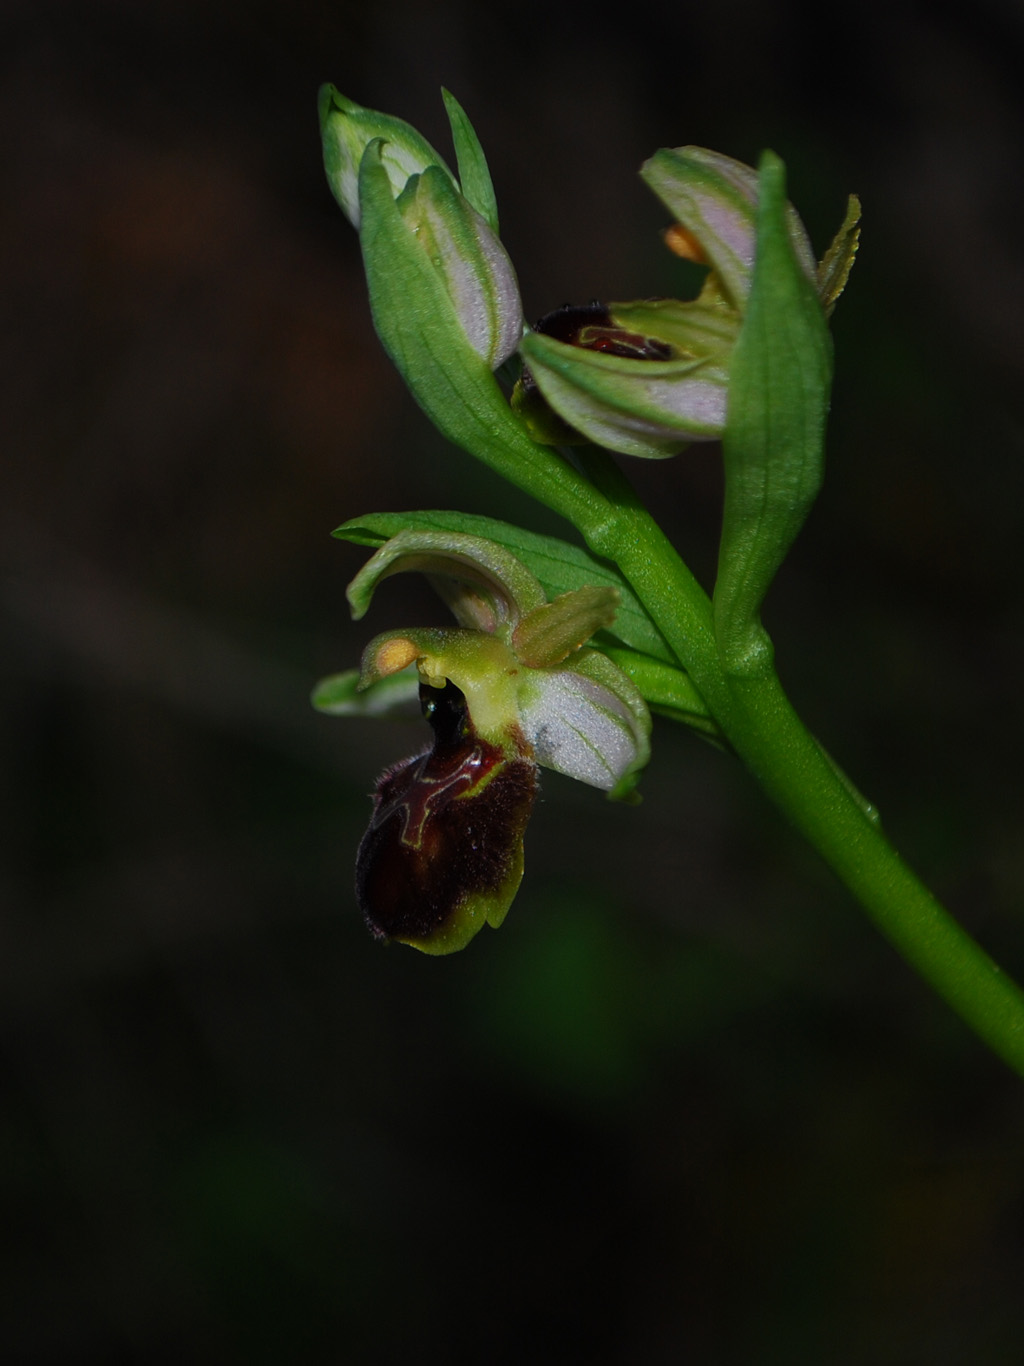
x,y
647,378
511,687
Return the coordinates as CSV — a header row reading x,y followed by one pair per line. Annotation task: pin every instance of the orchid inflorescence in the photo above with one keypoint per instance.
x,y
562,650
531,675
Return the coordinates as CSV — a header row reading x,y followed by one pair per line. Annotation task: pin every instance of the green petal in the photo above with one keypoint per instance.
x,y
836,264
550,633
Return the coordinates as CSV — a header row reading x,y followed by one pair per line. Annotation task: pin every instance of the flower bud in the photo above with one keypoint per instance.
x,y
347,129
411,213
477,273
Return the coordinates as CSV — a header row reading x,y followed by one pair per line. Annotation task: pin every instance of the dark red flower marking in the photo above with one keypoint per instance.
x,y
447,828
592,327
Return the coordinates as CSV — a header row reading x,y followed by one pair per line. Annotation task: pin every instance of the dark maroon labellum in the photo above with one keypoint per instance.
x,y
446,829
591,327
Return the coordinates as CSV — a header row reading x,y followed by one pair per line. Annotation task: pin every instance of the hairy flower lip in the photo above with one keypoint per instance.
x,y
443,853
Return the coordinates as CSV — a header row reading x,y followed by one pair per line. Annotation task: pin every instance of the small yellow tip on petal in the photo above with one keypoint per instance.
x,y
682,241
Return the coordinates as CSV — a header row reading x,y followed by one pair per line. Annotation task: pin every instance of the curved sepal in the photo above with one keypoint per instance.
x,y
485,586
559,566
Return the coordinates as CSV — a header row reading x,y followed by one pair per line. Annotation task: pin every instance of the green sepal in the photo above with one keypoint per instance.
x,y
479,279
559,566
835,266
715,198
474,176
646,408
773,446
342,695
486,588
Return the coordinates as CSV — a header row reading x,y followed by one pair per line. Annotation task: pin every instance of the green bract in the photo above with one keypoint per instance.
x,y
774,444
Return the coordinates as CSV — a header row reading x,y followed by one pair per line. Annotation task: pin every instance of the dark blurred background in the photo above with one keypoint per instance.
x,y
687,1105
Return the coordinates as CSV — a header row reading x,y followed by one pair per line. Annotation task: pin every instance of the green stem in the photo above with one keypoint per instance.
x,y
756,717
760,723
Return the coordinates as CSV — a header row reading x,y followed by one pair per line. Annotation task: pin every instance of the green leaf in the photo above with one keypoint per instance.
x,y
667,690
560,566
474,176
775,430
340,695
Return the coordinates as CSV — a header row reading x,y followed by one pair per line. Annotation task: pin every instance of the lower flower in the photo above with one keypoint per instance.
x,y
513,687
